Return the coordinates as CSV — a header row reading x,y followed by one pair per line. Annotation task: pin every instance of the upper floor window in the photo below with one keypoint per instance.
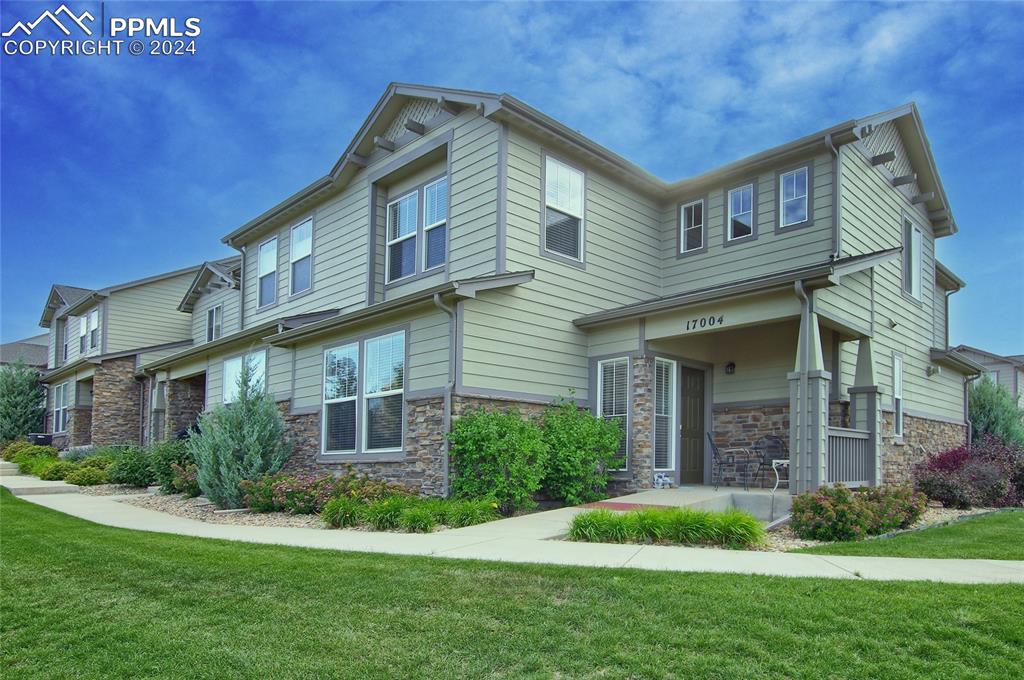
x,y
267,273
740,223
60,407
83,334
65,337
993,376
435,221
301,256
401,242
793,206
897,395
94,328
613,398
912,244
691,226
214,323
563,209
233,372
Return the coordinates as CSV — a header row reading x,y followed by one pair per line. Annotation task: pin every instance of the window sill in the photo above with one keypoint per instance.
x,y
564,259
779,229
300,294
344,458
741,239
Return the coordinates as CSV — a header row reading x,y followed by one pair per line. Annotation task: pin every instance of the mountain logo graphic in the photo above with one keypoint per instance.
x,y
63,10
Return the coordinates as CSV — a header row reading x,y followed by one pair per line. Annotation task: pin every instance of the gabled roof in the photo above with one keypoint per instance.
x,y
61,296
505,107
216,274
1014,359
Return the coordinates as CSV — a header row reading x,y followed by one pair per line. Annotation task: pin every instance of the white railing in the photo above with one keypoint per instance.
x,y
848,461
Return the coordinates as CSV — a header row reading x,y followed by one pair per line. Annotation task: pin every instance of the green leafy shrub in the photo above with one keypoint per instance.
x,y
582,449
243,440
186,480
22,401
131,467
342,511
383,515
58,470
162,455
417,519
98,461
41,465
13,448
86,476
839,514
893,507
994,411
28,457
294,494
497,455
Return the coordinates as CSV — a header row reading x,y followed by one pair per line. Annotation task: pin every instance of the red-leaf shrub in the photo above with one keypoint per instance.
x,y
840,514
308,494
990,473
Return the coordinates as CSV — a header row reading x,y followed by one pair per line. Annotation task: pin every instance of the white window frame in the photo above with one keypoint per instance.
x,y
729,213
366,396
897,395
916,267
224,393
66,339
60,408
683,228
94,327
83,334
260,274
388,241
353,398
292,260
673,427
600,405
783,200
440,223
214,323
993,376
565,209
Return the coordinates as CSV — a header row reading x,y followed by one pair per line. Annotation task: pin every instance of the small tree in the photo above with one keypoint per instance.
x,y
243,440
22,401
582,449
994,411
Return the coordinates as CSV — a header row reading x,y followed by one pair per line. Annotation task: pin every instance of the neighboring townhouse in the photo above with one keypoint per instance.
x,y
98,339
468,251
1007,371
29,351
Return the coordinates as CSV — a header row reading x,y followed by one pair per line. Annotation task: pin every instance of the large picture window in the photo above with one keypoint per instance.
x,y
364,388
233,371
401,246
613,399
740,223
60,407
301,257
563,209
267,273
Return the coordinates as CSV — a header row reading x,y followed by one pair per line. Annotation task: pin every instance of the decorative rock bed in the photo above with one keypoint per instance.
x,y
113,490
202,510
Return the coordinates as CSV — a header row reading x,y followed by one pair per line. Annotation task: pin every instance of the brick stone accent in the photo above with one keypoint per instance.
x,y
742,426
462,404
117,403
186,399
921,437
80,426
640,470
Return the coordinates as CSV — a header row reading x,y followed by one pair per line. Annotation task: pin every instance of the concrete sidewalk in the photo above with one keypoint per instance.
x,y
533,539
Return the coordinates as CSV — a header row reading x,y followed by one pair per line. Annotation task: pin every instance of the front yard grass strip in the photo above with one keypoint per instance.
x,y
88,601
996,536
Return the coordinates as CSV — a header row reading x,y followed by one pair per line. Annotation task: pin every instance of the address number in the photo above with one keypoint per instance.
x,y
704,322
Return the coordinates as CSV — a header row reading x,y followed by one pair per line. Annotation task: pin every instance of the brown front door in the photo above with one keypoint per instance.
x,y
691,427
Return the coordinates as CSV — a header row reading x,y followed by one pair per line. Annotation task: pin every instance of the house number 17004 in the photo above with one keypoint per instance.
x,y
704,322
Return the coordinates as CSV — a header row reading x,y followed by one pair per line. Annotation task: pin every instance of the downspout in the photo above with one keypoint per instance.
x,y
804,359
448,388
241,293
968,379
836,181
142,410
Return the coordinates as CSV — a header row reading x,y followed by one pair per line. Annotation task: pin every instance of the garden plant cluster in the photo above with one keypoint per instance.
x,y
682,526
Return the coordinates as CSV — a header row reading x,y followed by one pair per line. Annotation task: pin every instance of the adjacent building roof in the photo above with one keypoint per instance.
x,y
32,351
217,274
1013,359
953,359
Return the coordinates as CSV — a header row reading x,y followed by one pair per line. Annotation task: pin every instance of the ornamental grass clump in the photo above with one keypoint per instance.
x,y
417,519
732,528
342,511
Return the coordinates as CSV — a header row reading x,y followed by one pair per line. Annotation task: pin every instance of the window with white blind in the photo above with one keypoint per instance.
x,y
912,244
233,372
266,272
60,407
740,223
300,255
664,414
793,197
94,328
691,226
613,399
83,334
364,392
435,223
401,242
563,209
214,323
897,395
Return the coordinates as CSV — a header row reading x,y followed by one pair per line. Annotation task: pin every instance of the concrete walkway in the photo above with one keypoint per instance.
x,y
533,539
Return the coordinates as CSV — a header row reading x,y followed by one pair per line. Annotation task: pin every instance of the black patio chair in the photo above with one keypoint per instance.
x,y
717,459
769,448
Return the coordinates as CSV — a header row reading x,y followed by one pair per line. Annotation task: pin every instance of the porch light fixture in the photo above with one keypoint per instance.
x,y
730,368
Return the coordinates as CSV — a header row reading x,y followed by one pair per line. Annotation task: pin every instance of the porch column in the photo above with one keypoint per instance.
x,y
808,408
866,408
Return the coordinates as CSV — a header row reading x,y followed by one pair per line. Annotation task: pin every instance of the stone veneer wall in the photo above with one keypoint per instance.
x,y
921,437
742,426
186,399
640,470
80,426
116,403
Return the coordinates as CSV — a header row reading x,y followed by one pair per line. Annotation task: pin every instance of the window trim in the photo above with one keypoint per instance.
x,y
727,212
581,262
388,241
429,227
60,413
910,227
673,426
681,238
65,340
365,397
83,334
598,383
210,336
94,342
277,264
897,395
292,293
223,366
325,402
361,454
809,199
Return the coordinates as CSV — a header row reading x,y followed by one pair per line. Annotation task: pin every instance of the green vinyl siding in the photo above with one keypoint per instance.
x,y
146,315
229,300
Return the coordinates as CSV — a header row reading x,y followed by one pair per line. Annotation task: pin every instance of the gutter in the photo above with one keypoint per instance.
x,y
448,389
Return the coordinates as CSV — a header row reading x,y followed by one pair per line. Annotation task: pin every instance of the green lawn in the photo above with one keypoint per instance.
x,y
83,600
998,536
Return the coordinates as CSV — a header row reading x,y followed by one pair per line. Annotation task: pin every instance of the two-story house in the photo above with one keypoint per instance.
x,y
98,340
1007,371
466,250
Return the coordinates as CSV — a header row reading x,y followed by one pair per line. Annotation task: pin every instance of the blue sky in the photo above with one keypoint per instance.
x,y
114,168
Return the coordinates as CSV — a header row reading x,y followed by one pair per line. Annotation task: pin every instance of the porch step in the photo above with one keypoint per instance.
x,y
8,468
24,485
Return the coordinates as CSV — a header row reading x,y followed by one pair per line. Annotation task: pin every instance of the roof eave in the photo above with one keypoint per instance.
x,y
955,360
